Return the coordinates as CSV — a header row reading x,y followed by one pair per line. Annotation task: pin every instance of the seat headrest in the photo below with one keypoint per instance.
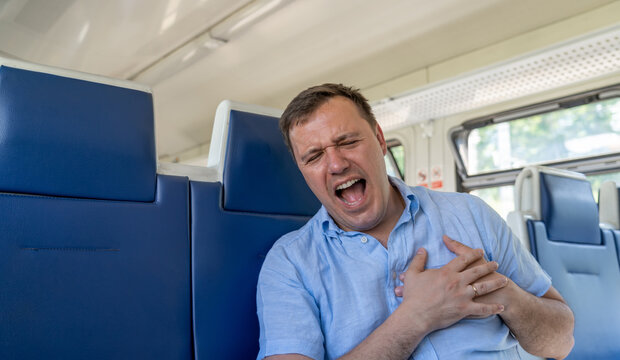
x,y
562,200
569,210
64,133
609,205
258,172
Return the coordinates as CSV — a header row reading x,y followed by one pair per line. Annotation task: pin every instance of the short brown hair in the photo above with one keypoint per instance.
x,y
309,100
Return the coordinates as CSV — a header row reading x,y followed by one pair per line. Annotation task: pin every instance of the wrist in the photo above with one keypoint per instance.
x,y
413,319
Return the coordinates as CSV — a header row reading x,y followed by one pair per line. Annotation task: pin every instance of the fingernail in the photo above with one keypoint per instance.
x,y
421,251
501,308
495,265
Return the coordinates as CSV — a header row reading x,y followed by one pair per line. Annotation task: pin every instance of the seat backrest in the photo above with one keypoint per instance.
x,y
94,252
609,210
566,239
259,197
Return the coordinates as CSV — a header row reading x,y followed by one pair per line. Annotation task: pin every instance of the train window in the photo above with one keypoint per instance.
x,y
587,130
597,180
395,158
500,198
579,133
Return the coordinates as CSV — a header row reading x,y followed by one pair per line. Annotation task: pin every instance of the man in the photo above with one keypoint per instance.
x,y
372,276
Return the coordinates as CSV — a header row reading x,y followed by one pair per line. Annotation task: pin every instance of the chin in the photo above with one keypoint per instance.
x,y
362,225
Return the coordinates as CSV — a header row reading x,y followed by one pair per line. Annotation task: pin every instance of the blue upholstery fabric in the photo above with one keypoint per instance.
x,y
96,279
228,249
259,172
67,137
588,278
234,224
95,250
616,234
568,209
581,260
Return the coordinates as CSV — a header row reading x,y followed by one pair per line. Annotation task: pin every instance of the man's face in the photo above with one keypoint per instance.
x,y
341,158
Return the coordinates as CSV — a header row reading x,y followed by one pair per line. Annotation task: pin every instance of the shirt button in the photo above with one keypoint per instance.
x,y
364,239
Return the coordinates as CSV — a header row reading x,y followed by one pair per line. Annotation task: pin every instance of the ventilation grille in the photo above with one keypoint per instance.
x,y
556,67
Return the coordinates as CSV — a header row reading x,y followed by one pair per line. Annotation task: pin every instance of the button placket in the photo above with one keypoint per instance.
x,y
395,263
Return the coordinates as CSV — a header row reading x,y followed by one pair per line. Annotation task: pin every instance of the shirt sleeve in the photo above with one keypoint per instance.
x,y
514,260
287,313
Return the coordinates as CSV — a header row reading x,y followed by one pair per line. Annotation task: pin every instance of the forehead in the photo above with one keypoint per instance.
x,y
337,113
336,118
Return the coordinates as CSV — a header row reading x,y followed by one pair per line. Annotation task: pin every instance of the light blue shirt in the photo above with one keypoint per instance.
x,y
322,290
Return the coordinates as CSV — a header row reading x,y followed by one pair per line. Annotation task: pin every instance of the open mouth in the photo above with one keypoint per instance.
x,y
352,191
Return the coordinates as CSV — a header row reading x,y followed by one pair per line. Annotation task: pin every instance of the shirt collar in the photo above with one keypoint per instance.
x,y
412,205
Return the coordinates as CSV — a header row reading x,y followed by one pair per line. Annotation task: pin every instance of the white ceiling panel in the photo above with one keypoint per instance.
x,y
114,37
298,44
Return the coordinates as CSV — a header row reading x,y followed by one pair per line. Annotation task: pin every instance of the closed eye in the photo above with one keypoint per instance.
x,y
314,157
349,143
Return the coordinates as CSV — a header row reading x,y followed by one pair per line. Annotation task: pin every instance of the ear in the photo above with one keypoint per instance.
x,y
381,138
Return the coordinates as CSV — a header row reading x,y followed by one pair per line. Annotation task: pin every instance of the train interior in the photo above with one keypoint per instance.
x,y
138,203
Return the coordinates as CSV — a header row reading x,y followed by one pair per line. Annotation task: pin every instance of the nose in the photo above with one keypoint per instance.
x,y
336,162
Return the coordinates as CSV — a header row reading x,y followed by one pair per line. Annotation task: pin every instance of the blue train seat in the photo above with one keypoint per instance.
x,y
609,210
259,197
94,245
562,224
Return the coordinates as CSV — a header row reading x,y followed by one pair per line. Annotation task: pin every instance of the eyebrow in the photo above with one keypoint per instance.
x,y
340,138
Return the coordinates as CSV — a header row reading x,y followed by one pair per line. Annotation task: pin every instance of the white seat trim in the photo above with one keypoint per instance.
x,y
609,205
12,63
219,137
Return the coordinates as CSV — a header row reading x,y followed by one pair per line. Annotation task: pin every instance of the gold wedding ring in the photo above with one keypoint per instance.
x,y
475,290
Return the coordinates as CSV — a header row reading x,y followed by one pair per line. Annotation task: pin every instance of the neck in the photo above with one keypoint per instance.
x,y
396,205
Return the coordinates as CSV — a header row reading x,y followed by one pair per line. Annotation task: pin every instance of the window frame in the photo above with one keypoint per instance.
x,y
588,165
390,143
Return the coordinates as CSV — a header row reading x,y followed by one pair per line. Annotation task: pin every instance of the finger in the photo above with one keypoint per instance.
x,y
462,261
484,310
473,289
455,246
401,276
476,272
419,261
488,286
398,291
